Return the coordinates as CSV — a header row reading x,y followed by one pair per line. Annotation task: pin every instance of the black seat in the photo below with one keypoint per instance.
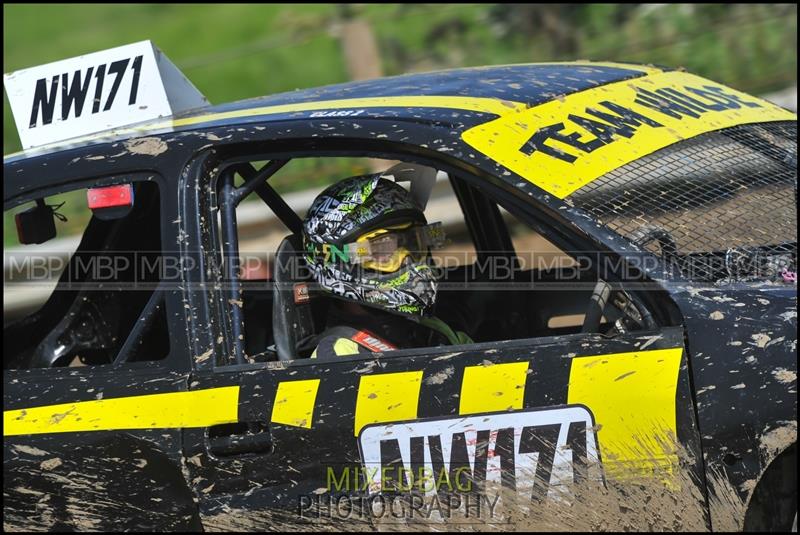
x,y
297,307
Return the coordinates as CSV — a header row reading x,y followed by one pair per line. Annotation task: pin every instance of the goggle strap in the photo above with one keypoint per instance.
x,y
433,235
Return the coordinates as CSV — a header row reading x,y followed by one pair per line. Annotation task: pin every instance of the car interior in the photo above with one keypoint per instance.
x,y
91,318
469,296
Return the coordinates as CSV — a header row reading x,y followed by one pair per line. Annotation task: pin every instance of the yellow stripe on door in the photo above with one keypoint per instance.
x,y
294,403
632,396
498,387
200,408
387,397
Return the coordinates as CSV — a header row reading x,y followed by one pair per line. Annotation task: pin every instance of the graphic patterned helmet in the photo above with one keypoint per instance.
x,y
335,233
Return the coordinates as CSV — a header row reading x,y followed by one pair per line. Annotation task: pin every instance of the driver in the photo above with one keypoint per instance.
x,y
368,243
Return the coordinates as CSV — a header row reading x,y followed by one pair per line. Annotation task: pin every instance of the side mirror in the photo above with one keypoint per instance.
x,y
36,225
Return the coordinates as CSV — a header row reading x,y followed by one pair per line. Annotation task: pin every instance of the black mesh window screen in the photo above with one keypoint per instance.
x,y
720,207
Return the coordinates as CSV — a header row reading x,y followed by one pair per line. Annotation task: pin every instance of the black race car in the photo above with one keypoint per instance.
x,y
178,394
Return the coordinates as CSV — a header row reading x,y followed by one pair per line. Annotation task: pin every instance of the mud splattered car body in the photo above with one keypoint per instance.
x,y
676,192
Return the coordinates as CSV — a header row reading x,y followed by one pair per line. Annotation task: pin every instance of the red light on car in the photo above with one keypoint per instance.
x,y
110,197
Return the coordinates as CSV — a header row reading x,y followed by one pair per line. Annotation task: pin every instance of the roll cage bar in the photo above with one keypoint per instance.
x,y
255,180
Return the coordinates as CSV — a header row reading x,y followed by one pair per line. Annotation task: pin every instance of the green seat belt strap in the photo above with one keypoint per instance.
x,y
454,337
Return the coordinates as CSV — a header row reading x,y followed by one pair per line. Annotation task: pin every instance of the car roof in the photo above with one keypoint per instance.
x,y
530,84
477,89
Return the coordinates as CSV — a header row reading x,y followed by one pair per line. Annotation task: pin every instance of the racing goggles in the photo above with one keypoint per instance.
x,y
385,249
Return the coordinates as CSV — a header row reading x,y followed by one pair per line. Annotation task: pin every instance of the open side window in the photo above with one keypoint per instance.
x,y
494,283
253,231
93,297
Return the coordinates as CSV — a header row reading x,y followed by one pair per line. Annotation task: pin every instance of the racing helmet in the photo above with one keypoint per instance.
x,y
366,239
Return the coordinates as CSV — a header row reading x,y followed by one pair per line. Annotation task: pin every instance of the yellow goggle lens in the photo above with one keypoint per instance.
x,y
385,249
387,265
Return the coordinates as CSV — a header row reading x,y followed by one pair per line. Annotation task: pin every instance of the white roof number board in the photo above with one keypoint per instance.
x,y
96,92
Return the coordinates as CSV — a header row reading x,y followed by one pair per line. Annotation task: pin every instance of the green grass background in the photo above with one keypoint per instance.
x,y
238,51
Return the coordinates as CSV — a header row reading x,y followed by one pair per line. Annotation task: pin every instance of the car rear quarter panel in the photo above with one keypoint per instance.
x,y
742,341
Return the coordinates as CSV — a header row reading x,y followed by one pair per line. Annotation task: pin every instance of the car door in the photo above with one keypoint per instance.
x,y
95,381
532,415
308,415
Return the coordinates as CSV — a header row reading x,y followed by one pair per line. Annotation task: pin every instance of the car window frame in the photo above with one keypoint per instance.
x,y
217,232
567,238
176,359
